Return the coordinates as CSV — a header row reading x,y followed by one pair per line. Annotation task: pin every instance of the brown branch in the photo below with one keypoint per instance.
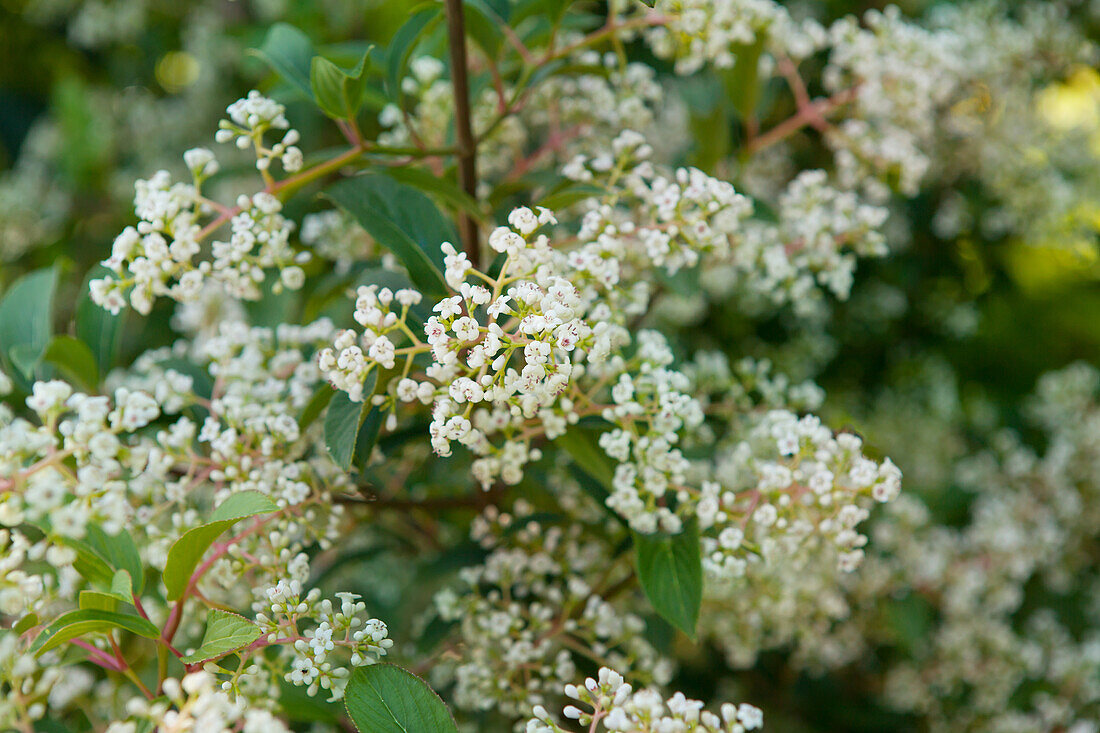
x,y
464,136
818,109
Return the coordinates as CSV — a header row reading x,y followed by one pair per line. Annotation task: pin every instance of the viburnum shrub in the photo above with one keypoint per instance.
x,y
461,351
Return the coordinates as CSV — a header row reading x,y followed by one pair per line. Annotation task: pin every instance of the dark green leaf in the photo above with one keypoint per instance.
x,y
344,420
119,552
74,359
483,25
315,406
288,52
401,219
441,187
96,327
383,698
670,569
339,93
402,45
25,328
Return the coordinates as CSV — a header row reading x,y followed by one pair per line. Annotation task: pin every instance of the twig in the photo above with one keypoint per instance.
x,y
464,136
816,110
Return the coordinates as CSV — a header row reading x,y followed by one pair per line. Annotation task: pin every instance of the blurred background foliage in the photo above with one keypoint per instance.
x,y
96,93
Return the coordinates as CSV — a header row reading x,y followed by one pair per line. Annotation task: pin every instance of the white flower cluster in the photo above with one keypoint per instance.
x,y
799,478
197,704
283,611
1031,526
616,706
335,236
157,257
529,606
503,352
820,232
249,119
35,687
904,75
699,32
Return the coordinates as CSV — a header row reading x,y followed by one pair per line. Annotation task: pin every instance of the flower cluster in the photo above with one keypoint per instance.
x,y
157,257
616,706
193,704
283,612
536,599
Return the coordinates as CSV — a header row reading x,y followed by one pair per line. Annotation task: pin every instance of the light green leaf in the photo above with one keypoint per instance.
x,y
25,624
339,92
25,314
121,592
185,553
74,359
77,623
288,51
670,568
225,632
384,698
401,219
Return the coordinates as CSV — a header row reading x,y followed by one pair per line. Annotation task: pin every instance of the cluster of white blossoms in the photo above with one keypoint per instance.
x,y
157,258
146,462
991,663
341,632
196,704
615,706
820,233
537,604
904,75
336,237
700,32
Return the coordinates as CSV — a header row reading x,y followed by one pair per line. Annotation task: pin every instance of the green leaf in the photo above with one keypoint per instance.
x,y
670,568
121,592
483,25
742,82
288,52
25,624
384,698
96,327
368,436
185,553
225,632
25,314
74,359
119,552
344,420
88,563
583,446
316,405
402,45
443,188
401,219
571,195
339,93
77,623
